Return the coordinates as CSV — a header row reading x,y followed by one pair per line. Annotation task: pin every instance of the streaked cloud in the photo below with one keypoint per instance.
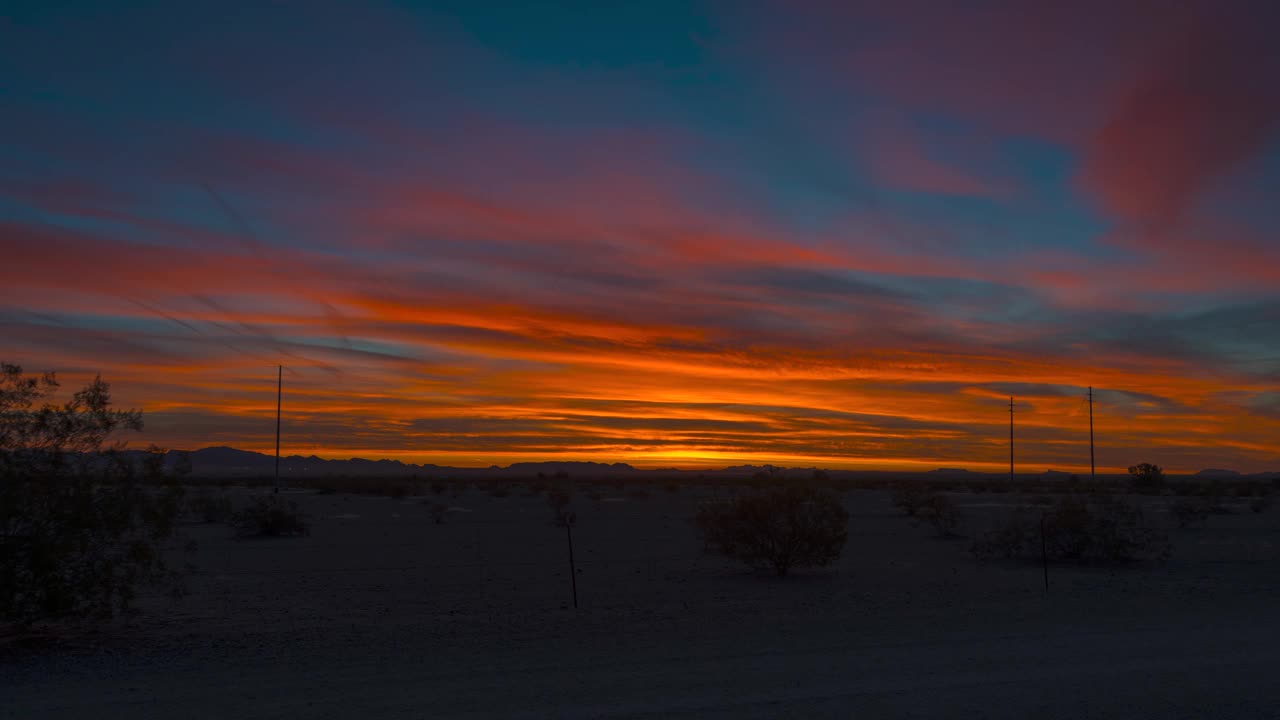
x,y
780,237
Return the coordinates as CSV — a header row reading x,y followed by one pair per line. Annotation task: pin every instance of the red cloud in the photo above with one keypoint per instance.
x,y
1200,108
903,162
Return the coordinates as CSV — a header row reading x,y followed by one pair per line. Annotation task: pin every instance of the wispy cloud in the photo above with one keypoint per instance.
x,y
470,246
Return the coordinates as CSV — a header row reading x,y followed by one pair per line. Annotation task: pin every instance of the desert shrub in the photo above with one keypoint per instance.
x,y
1260,503
1190,511
1010,538
1146,478
1255,489
499,490
438,487
210,508
1096,528
270,516
1215,495
942,515
638,494
83,524
671,486
558,498
909,496
780,529
439,511
566,518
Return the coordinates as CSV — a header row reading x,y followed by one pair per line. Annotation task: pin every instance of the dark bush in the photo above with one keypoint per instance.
x,y
558,498
1190,511
1146,478
270,516
1097,528
1215,496
909,496
83,524
210,508
780,529
942,515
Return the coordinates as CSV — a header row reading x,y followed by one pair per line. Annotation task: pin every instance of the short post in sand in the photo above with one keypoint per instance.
x,y
568,520
1044,553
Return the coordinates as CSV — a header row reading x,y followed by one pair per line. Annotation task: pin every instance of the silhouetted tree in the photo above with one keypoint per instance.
x,y
82,525
780,529
1145,477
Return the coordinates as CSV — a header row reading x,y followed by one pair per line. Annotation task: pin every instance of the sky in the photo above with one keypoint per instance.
x,y
675,234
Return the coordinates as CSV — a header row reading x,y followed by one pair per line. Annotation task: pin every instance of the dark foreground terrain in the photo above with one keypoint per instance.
x,y
381,612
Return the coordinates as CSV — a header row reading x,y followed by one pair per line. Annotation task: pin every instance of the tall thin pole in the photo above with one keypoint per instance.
x,y
1011,480
1044,553
279,393
1093,468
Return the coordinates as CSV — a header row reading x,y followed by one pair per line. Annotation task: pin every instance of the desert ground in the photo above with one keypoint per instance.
x,y
382,612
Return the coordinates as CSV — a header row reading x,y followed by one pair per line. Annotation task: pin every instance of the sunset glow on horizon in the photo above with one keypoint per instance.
x,y
673,235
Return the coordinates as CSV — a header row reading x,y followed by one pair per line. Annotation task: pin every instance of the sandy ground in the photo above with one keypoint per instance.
x,y
380,612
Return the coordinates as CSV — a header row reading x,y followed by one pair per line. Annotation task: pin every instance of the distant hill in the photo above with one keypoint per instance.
x,y
1215,473
569,467
220,461
228,461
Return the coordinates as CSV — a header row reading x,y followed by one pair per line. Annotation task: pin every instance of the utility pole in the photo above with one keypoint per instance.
x,y
1011,480
1093,469
279,393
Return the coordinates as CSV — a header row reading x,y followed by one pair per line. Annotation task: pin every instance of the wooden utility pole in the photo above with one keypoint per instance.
x,y
1011,480
1093,469
279,393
